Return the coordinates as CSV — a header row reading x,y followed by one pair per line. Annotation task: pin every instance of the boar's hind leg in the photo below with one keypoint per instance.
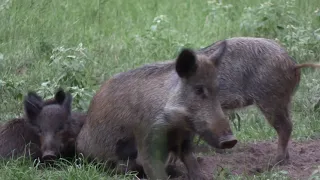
x,y
127,152
152,152
129,166
278,116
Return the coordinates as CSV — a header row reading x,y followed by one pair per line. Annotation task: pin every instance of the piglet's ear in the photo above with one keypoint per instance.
x,y
67,103
186,64
32,105
60,96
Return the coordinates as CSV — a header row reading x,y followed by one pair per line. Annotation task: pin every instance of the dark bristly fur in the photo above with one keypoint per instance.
x,y
259,71
158,107
48,126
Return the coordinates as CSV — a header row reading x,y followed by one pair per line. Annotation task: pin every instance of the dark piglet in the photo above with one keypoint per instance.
x,y
258,71
47,131
158,107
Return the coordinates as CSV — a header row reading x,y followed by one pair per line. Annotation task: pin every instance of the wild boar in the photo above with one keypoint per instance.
x,y
158,108
47,131
260,72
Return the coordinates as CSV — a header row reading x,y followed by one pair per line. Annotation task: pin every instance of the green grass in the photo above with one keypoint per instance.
x,y
111,36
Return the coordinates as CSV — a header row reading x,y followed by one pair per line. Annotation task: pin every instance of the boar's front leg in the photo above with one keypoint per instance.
x,y
153,152
190,161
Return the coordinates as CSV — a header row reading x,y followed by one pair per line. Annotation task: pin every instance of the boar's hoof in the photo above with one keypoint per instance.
x,y
173,171
199,176
280,160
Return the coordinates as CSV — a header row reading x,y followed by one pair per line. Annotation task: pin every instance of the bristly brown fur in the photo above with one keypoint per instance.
x,y
259,71
171,100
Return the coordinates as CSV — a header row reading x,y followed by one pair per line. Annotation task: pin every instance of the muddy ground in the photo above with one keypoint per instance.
x,y
253,158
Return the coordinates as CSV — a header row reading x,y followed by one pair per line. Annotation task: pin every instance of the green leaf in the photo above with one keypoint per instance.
x,y
280,27
316,106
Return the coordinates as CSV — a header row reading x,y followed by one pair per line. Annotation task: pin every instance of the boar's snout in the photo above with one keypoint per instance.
x,y
227,142
49,147
222,141
49,156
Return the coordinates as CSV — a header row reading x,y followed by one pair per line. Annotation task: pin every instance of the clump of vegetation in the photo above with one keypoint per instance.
x,y
78,45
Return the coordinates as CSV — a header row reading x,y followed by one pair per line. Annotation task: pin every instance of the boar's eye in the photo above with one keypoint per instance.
x,y
199,90
60,128
37,130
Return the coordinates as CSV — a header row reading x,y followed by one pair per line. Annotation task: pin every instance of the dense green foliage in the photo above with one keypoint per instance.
x,y
79,44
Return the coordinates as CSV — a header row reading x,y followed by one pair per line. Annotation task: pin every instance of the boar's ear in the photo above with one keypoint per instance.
x,y
32,105
218,54
186,63
60,96
67,103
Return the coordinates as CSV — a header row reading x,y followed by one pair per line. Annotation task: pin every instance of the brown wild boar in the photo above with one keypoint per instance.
x,y
259,71
158,107
47,131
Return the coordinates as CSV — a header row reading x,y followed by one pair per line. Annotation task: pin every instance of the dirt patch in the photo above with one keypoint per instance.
x,y
254,158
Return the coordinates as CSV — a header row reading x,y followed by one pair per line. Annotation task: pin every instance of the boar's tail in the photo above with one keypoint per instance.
x,y
298,66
